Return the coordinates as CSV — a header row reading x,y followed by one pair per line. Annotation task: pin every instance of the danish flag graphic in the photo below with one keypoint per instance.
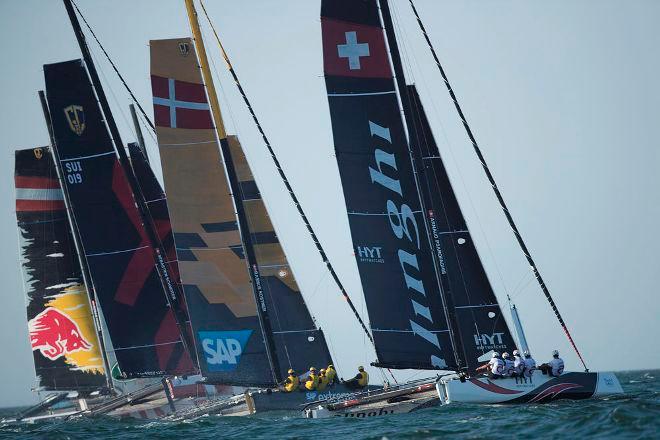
x,y
180,104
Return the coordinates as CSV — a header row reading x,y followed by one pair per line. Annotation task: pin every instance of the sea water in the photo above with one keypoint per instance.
x,y
636,414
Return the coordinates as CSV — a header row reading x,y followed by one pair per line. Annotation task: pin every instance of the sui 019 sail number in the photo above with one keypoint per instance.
x,y
73,172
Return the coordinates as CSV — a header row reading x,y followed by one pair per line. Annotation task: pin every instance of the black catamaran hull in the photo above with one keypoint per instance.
x,y
539,388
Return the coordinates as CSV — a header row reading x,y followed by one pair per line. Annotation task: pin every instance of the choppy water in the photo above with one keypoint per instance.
x,y
634,415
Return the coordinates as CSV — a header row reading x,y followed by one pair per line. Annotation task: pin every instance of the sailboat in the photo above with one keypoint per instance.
x,y
429,300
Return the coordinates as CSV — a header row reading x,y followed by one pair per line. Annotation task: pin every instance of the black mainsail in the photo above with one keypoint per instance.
x,y
429,301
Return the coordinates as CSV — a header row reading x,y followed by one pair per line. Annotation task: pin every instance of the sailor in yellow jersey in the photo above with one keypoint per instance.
x,y
323,380
360,380
331,374
312,380
292,382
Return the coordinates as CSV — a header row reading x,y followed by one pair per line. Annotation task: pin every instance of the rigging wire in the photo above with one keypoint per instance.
x,y
285,180
133,98
498,194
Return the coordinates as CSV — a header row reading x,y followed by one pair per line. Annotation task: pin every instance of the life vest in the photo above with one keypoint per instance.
x,y
508,367
519,365
530,366
363,381
311,382
323,382
330,373
291,383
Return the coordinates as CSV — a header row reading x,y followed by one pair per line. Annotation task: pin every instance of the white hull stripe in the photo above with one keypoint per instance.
x,y
477,307
376,213
407,331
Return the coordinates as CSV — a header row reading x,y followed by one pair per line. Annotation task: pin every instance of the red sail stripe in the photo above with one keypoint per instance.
x,y
33,182
39,205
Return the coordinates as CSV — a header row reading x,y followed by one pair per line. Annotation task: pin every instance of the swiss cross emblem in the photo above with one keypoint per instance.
x,y
353,50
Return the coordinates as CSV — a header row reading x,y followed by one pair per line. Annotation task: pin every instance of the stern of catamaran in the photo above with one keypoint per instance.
x,y
539,388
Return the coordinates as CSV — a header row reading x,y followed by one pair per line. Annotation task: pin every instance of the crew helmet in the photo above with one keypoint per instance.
x,y
312,369
331,366
555,352
291,371
505,355
360,368
322,370
516,353
496,354
526,353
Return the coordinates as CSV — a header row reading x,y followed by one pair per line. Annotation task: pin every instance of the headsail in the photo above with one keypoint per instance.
x,y
299,343
406,313
480,324
121,261
64,342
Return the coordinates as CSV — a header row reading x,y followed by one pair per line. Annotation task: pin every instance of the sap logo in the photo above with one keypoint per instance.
x,y
223,349
370,254
489,341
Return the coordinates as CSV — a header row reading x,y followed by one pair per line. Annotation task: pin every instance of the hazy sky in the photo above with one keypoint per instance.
x,y
562,96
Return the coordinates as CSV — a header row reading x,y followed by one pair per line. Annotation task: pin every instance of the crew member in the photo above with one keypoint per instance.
x,y
508,364
292,382
331,374
530,364
555,367
518,364
312,380
360,380
495,366
323,380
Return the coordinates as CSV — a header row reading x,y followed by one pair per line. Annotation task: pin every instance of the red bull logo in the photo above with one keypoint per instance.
x,y
55,334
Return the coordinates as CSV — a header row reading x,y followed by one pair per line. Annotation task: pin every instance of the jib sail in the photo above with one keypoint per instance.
x,y
215,278
64,342
121,261
299,344
391,245
480,325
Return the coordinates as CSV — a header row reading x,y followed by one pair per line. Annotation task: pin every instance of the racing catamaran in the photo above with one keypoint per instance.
x,y
430,303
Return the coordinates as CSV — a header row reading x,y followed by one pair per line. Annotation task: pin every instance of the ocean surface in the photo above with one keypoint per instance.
x,y
633,415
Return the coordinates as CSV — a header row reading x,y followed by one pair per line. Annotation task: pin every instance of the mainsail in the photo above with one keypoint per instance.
x,y
216,272
385,216
121,261
64,342
429,301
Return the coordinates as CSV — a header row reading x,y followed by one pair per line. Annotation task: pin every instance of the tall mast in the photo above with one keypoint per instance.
x,y
409,122
262,311
498,194
165,279
91,290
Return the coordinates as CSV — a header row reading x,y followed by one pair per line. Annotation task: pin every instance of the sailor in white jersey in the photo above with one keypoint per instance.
x,y
518,364
555,367
495,366
508,365
530,364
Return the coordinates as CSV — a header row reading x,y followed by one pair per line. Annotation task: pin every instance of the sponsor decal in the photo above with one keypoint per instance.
x,y
55,334
370,254
436,242
404,226
76,118
363,414
489,342
38,153
553,391
184,49
223,349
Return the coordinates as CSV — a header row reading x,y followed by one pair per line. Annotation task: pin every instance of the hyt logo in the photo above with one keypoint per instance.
x,y
492,342
368,254
223,350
